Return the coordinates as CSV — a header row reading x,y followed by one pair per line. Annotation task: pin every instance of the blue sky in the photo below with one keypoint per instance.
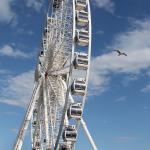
x,y
118,106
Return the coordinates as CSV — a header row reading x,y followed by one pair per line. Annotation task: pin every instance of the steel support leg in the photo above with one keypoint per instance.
x,y
88,134
27,118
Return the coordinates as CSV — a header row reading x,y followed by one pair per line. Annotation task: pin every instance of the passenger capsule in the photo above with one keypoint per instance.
x,y
81,61
82,18
78,87
80,4
82,37
49,21
70,133
64,146
75,111
46,32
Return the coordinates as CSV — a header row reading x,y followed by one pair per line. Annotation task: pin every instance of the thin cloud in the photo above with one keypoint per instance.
x,y
35,4
14,130
120,99
99,33
6,12
129,78
9,51
146,88
22,31
18,89
146,108
148,73
108,5
98,83
9,113
3,71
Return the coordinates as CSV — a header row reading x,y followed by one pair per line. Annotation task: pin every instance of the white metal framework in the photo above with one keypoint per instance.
x,y
61,79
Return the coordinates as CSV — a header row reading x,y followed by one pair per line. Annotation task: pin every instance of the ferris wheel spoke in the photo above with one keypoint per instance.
x,y
58,54
50,115
56,107
46,119
53,85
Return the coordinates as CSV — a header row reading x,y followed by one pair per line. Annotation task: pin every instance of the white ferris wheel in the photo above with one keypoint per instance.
x,y
61,79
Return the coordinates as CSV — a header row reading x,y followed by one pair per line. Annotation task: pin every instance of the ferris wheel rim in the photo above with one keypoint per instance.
x,y
70,74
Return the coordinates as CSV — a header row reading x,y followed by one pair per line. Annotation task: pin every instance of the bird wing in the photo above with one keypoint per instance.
x,y
118,51
124,54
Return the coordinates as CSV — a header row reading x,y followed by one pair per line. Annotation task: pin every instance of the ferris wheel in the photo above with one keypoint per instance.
x,y
61,79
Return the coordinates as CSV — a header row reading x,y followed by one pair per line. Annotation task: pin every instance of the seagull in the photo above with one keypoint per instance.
x,y
120,53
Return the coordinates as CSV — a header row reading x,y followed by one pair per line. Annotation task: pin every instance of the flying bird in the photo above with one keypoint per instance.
x,y
120,53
